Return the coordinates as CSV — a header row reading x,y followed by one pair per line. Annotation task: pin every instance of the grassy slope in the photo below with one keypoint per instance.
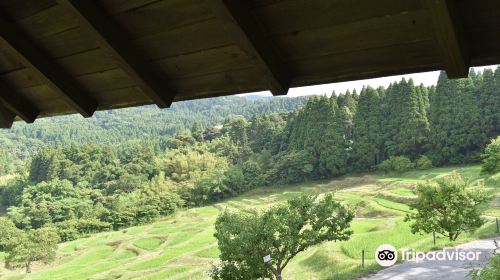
x,y
183,246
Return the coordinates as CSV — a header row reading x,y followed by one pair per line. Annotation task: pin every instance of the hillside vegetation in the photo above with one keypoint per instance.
x,y
183,247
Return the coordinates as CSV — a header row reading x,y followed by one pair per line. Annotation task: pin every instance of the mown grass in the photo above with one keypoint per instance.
x,y
148,243
183,246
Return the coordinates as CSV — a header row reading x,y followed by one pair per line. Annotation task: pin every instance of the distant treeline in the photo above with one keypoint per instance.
x,y
114,183
146,123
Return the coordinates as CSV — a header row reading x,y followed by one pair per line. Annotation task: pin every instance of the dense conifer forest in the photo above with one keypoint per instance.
x,y
131,166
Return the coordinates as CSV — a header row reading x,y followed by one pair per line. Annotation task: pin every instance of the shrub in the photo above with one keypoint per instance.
x,y
385,166
73,229
67,230
423,163
397,164
491,157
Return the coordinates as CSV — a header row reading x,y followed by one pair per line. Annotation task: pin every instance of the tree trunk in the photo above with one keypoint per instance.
x,y
28,267
450,236
453,235
278,275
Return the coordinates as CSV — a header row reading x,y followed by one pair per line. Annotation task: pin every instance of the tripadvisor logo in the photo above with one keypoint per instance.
x,y
387,255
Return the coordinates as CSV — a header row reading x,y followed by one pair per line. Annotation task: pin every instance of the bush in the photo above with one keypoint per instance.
x,y
491,157
492,271
73,229
423,163
67,230
396,164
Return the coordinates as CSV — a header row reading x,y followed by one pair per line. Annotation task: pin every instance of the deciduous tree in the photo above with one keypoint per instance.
x,y
281,232
447,206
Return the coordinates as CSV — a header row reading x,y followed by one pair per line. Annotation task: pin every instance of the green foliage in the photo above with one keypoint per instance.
x,y
73,229
32,246
367,148
487,92
491,157
197,174
91,188
423,163
293,167
456,133
398,164
491,272
189,246
282,232
406,124
265,132
348,104
8,233
142,124
447,206
318,130
50,202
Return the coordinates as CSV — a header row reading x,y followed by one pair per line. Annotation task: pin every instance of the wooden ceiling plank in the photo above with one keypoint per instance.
x,y
6,117
17,104
450,36
31,56
240,24
112,40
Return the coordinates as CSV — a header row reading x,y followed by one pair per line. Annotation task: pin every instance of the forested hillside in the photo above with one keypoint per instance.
x,y
146,123
130,167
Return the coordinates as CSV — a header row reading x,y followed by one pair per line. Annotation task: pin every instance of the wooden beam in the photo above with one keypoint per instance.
x,y
239,23
112,40
449,34
17,104
6,117
54,76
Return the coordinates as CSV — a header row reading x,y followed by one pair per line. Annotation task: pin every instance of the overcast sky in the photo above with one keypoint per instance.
x,y
427,78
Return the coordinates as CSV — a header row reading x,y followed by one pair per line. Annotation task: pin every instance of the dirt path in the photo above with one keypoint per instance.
x,y
443,270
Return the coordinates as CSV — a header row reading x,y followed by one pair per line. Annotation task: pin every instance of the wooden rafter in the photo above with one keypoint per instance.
x,y
239,22
6,116
449,34
17,104
56,78
112,40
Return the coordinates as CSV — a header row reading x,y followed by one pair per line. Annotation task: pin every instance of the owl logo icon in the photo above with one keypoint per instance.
x,y
386,255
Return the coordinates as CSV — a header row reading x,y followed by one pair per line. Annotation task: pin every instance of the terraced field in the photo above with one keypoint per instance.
x,y
183,246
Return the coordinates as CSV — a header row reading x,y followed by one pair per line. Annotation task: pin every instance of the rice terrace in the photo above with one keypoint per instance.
x,y
183,246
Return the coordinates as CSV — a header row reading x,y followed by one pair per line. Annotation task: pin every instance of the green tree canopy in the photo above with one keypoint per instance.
x,y
447,206
281,232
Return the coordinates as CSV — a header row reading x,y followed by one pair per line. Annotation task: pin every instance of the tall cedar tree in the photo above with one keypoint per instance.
x,y
407,126
367,139
488,91
318,130
455,122
347,104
